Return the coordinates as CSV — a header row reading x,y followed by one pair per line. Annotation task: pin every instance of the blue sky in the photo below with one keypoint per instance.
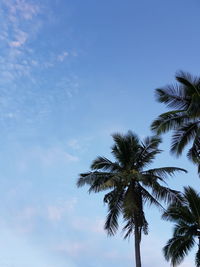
x,y
72,73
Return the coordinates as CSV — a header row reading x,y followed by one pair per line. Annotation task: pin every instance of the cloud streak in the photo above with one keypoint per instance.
x,y
30,68
57,212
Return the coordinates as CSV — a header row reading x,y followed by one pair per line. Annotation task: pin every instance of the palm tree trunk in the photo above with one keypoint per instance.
x,y
137,246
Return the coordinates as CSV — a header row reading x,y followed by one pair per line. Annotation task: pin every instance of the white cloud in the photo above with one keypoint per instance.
x,y
98,226
54,213
45,157
88,225
27,213
54,155
23,8
21,252
116,255
62,56
24,219
74,143
73,248
57,211
22,63
20,38
15,36
69,85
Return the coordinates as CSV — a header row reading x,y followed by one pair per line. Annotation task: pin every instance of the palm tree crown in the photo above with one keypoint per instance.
x,y
186,216
129,183
184,118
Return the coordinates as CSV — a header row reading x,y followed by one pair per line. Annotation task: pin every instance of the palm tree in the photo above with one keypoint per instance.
x,y
186,216
128,183
184,118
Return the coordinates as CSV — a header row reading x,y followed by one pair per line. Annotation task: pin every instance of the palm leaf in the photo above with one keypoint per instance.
x,y
98,181
164,193
126,148
177,212
148,151
194,107
114,199
173,96
169,121
102,163
197,257
194,152
177,248
149,199
192,199
163,172
184,228
191,83
183,136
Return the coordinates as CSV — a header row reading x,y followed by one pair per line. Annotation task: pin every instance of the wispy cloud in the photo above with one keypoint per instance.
x,y
73,248
54,155
57,211
74,144
87,225
62,56
25,219
20,39
20,252
45,157
27,59
116,255
15,35
23,8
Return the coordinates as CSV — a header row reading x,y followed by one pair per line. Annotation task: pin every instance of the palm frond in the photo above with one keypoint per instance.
x,y
129,227
149,199
183,136
114,199
190,82
184,228
194,152
98,181
86,178
163,172
125,148
173,96
132,211
169,121
178,212
197,257
165,193
177,248
151,143
148,151
192,198
194,107
102,163
186,214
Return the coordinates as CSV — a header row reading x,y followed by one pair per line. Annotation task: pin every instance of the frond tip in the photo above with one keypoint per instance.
x,y
185,214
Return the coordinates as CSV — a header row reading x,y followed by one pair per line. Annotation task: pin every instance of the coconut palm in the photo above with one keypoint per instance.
x,y
130,185
184,118
186,216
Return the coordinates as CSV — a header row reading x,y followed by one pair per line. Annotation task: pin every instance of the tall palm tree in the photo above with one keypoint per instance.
x,y
186,216
128,182
184,118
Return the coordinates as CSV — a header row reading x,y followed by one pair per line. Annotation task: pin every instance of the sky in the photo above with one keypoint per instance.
x,y
72,73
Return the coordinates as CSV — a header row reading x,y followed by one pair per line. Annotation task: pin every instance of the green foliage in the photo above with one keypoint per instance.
x,y
186,216
129,184
184,118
